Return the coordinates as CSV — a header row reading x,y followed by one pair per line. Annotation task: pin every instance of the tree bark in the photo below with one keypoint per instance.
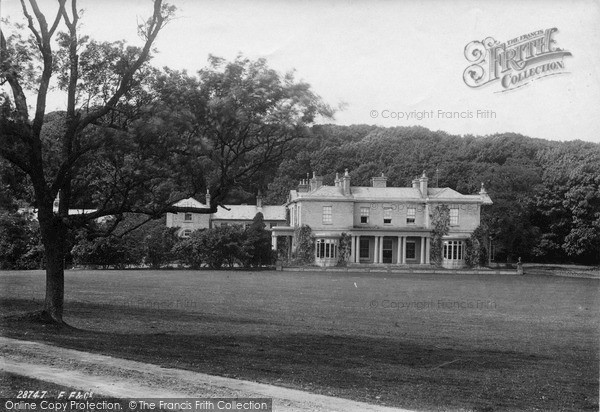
x,y
54,235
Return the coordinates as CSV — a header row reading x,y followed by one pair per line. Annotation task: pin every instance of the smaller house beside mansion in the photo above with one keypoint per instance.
x,y
386,225
231,215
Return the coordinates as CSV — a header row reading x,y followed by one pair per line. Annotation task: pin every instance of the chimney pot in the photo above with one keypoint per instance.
x,y
482,191
338,181
303,186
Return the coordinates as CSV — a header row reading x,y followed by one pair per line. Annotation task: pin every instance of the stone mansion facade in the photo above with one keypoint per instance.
x,y
386,225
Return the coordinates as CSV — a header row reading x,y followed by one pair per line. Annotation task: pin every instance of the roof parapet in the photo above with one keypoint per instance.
x,y
379,181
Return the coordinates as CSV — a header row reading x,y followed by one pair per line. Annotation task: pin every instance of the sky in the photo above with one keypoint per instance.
x,y
383,60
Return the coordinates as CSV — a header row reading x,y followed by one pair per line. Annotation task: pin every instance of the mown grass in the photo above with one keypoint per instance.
x,y
426,342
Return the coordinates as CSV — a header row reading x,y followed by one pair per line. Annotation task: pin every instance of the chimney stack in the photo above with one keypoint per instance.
x,y
316,182
338,181
379,181
207,198
259,200
303,186
415,183
346,183
423,184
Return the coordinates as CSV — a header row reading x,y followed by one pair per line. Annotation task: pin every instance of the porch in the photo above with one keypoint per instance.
x,y
366,246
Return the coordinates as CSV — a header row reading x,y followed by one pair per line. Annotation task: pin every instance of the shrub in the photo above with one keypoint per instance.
x,y
158,245
345,249
305,245
227,245
190,251
476,254
222,245
256,245
440,222
104,252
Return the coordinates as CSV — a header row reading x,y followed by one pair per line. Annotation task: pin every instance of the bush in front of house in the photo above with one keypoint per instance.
x,y
256,248
157,246
190,251
476,253
229,246
103,252
305,245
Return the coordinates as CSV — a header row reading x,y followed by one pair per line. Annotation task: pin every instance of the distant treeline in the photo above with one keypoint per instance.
x,y
546,194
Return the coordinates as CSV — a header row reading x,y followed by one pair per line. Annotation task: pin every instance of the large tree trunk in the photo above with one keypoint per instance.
x,y
54,234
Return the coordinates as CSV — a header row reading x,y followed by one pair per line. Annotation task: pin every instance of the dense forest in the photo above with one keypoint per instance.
x,y
546,194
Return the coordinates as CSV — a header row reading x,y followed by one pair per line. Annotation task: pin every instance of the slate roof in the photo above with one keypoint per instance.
x,y
367,193
247,212
190,202
238,212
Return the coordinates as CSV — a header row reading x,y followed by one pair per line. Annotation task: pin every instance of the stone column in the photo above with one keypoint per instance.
x,y
274,241
404,238
399,251
376,250
290,240
381,249
427,250
352,249
422,250
357,248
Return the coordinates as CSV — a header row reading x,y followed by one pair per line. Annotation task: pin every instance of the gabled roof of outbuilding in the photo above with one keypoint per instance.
x,y
190,202
247,212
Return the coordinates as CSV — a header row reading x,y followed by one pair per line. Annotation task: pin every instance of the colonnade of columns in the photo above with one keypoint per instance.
x,y
377,255
400,249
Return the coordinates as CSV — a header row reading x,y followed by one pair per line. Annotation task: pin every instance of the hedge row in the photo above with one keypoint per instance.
x,y
152,245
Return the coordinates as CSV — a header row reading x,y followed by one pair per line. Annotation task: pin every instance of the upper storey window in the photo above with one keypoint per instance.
x,y
327,215
364,215
454,216
387,215
411,213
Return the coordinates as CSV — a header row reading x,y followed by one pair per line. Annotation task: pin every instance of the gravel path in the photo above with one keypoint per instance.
x,y
123,378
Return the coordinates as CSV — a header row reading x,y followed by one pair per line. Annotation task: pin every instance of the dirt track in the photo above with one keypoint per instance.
x,y
129,379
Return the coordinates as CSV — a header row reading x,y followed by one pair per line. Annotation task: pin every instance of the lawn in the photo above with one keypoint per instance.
x,y
425,342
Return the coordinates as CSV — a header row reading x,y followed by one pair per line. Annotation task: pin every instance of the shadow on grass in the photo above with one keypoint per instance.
x,y
390,371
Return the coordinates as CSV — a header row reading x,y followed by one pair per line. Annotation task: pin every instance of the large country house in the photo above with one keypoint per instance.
x,y
386,225
230,215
